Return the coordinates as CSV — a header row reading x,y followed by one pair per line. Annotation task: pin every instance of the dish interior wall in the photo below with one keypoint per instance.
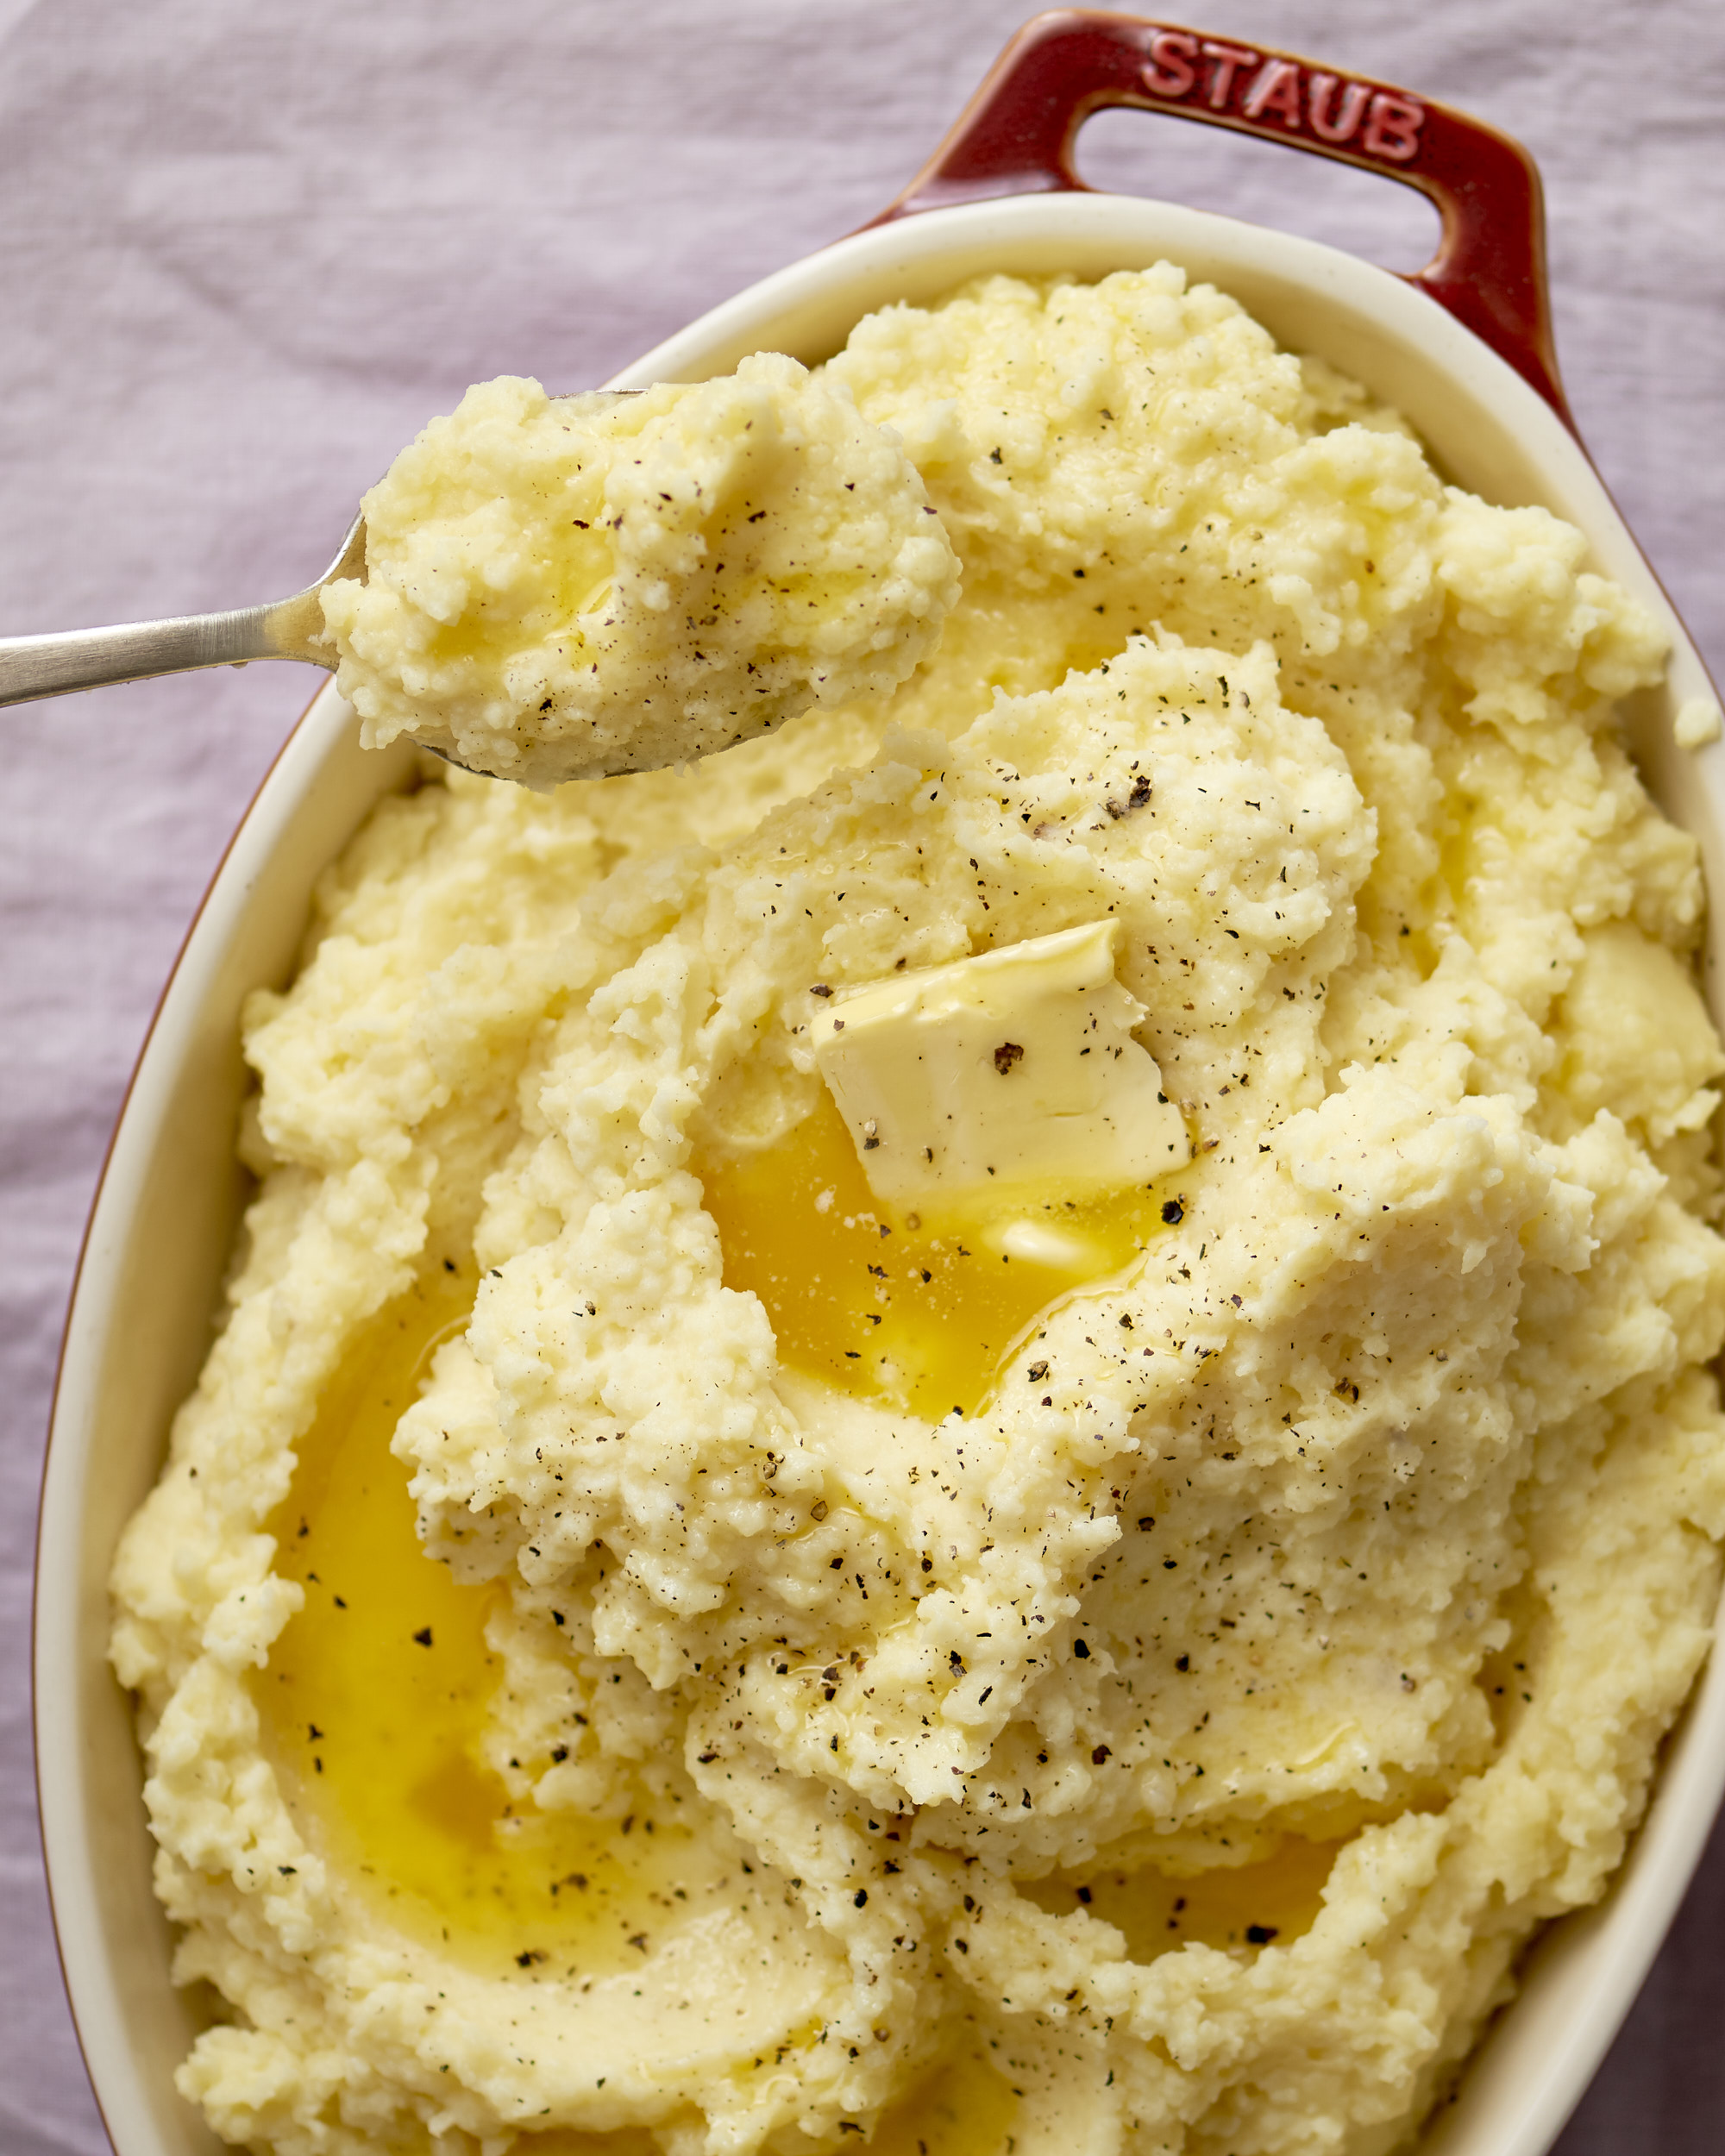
x,y
143,1315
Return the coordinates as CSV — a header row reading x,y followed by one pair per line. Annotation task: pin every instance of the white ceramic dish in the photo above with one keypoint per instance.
x,y
165,1215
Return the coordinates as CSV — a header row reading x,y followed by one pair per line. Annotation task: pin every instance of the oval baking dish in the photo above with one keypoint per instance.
x,y
1463,351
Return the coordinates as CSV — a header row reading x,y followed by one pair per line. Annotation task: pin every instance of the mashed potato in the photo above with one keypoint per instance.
x,y
1160,1698
562,587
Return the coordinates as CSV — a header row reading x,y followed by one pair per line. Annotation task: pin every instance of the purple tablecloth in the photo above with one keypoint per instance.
x,y
246,251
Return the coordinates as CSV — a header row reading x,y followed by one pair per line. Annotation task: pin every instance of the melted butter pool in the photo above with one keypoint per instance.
x,y
1275,1900
374,1701
884,1306
965,2107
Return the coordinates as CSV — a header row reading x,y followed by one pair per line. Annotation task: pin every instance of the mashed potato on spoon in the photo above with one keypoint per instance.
x,y
646,1630
562,587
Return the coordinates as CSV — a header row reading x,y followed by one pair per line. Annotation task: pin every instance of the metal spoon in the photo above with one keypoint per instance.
x,y
32,667
59,665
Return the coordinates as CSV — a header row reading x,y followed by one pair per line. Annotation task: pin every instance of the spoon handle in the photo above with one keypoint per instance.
x,y
34,667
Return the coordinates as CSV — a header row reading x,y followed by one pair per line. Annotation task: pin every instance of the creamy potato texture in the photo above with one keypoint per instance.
x,y
855,1683
561,587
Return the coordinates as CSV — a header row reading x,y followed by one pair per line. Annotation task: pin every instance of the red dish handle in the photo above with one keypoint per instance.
x,y
1016,137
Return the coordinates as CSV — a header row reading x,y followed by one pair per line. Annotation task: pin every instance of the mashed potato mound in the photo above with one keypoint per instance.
x,y
563,587
1186,1741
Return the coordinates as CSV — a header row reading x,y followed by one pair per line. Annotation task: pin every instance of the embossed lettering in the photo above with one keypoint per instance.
x,y
1224,58
1169,70
1339,127
1275,88
1334,107
1393,129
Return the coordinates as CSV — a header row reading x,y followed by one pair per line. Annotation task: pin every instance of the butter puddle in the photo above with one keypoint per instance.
x,y
1277,1900
375,1701
883,1307
565,2141
964,2107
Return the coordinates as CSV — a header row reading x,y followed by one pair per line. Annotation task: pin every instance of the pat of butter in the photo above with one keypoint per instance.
x,y
1014,1069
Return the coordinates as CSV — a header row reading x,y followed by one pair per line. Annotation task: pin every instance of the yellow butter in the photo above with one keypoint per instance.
x,y
1015,1067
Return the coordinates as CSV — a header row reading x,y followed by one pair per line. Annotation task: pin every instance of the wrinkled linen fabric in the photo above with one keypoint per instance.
x,y
248,252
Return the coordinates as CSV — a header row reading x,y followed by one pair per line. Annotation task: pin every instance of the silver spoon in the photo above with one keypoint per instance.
x,y
32,667
59,665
